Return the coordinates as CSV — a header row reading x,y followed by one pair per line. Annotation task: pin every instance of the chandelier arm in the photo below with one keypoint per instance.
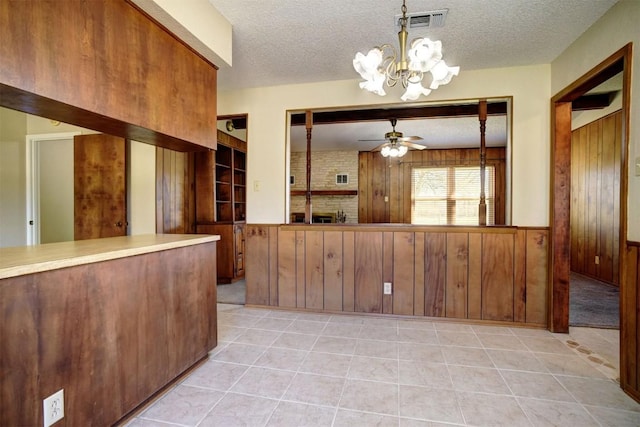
x,y
392,75
415,77
389,54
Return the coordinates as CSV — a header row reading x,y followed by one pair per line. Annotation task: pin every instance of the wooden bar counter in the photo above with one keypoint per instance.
x,y
111,321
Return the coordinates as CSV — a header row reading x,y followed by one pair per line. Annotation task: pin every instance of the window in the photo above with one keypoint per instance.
x,y
450,195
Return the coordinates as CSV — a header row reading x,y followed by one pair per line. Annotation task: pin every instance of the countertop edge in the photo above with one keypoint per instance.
x,y
127,249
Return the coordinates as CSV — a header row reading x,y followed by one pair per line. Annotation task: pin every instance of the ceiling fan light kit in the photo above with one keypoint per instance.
x,y
394,150
395,144
382,65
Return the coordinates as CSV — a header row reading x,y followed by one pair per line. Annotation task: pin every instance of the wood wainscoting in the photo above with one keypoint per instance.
x,y
595,199
495,274
630,322
175,194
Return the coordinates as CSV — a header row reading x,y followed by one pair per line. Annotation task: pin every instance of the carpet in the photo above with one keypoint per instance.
x,y
593,303
233,293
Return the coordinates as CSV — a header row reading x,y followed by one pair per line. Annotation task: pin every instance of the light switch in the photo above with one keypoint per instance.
x,y
637,166
256,185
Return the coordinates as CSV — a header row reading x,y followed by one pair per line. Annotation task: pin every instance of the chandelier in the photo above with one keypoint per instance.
x,y
382,65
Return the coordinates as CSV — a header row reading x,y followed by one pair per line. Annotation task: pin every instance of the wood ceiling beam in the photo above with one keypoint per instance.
x,y
593,102
377,114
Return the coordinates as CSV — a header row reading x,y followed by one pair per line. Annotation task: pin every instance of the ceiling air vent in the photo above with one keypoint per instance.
x,y
432,19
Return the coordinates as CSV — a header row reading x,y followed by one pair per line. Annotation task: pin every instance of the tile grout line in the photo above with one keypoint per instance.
x,y
226,393
513,395
520,400
297,371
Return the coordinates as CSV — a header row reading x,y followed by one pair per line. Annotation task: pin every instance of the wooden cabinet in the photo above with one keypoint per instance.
x,y
221,199
230,251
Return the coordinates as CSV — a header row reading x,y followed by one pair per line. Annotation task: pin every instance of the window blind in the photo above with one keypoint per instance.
x,y
450,195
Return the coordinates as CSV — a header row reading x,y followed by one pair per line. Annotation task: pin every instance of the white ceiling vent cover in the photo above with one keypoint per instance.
x,y
432,19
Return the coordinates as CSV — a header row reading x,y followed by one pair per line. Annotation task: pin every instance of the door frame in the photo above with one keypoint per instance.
x,y
560,186
32,225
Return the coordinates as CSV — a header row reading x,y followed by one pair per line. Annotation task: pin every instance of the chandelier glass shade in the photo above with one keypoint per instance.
x,y
382,65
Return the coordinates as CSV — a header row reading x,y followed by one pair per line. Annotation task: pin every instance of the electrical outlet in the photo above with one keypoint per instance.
x,y
53,408
597,259
387,288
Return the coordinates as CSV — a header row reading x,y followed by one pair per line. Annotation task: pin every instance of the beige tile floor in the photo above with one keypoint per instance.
x,y
285,368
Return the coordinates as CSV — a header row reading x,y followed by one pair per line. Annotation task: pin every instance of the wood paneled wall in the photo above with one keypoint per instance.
x,y
175,193
105,65
491,274
110,334
595,198
381,178
630,323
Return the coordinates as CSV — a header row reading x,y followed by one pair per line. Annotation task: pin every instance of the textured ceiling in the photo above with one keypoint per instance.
x,y
278,42
298,41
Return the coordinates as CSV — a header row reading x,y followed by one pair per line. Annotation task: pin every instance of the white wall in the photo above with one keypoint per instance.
x,y
267,148
37,125
619,26
141,198
13,126
56,191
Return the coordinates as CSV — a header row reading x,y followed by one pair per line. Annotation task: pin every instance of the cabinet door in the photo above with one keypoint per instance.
x,y
239,249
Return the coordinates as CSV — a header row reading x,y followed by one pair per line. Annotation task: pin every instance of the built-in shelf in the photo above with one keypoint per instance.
x,y
326,192
221,202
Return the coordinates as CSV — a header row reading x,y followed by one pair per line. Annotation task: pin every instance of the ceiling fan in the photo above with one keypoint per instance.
x,y
395,144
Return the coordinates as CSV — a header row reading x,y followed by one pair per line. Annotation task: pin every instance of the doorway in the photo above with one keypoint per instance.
x,y
75,187
595,209
560,257
50,188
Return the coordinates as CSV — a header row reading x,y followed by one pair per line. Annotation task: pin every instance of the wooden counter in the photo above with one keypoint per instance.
x,y
110,321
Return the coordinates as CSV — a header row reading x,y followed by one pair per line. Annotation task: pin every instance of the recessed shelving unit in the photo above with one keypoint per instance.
x,y
224,182
221,198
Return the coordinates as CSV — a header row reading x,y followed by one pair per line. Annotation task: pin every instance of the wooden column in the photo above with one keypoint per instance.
x,y
560,216
482,207
307,206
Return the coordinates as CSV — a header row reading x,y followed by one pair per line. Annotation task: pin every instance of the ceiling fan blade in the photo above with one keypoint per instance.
x,y
410,138
414,146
